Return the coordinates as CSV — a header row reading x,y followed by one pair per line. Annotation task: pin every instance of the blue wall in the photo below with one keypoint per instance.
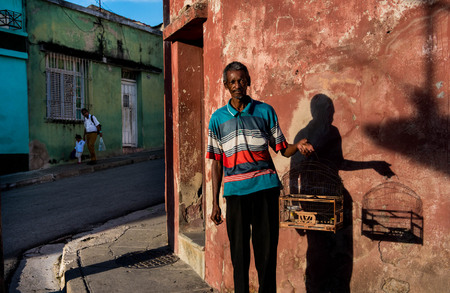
x,y
14,111
14,129
14,105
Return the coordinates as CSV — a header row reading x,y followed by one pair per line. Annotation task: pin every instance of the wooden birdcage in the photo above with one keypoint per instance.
x,y
312,198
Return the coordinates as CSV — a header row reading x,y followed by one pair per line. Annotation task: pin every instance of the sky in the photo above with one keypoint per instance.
x,y
147,11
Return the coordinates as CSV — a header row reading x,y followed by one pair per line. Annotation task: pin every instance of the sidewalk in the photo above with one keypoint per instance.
x,y
128,254
21,179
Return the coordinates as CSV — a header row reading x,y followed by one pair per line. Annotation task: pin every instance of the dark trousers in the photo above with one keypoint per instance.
x,y
254,214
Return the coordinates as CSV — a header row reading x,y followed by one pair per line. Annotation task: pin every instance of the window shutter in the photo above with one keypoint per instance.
x,y
66,84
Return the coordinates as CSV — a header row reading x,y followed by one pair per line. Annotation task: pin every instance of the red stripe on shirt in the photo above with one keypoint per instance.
x,y
245,157
282,145
248,175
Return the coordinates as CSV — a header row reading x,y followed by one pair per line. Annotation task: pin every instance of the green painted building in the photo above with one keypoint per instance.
x,y
13,88
89,58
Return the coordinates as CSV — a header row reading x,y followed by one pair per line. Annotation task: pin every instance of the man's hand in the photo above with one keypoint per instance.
x,y
216,174
305,147
216,215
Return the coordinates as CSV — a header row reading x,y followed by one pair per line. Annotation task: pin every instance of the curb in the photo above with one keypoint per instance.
x,y
70,274
75,172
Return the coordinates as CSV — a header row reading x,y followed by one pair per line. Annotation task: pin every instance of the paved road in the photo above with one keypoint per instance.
x,y
39,214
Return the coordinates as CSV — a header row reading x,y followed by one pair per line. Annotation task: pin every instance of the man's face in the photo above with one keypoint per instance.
x,y
85,114
237,83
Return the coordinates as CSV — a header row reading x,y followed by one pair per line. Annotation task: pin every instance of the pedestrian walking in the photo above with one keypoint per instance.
x,y
92,128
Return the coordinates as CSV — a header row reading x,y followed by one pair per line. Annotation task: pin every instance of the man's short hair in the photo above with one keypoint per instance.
x,y
236,66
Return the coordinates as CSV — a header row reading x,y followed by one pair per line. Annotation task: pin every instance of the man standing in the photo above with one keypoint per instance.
x,y
91,128
239,136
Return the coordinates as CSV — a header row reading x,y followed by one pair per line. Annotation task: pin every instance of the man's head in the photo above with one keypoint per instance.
x,y
236,79
85,112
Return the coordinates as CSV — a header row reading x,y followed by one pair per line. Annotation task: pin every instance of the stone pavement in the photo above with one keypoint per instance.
x,y
128,254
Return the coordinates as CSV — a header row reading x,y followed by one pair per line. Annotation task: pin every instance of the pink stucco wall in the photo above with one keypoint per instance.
x,y
384,64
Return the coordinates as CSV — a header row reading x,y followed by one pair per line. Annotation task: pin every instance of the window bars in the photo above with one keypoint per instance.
x,y
10,19
66,86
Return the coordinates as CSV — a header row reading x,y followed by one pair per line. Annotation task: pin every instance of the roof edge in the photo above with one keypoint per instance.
x,y
107,16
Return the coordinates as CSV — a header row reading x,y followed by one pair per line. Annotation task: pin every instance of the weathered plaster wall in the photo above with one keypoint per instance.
x,y
151,98
186,151
128,47
92,34
383,64
104,96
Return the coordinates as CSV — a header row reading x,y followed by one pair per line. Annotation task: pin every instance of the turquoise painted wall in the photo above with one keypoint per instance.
x,y
14,103
14,5
68,28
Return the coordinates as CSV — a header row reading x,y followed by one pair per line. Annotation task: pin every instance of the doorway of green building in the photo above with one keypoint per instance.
x,y
129,114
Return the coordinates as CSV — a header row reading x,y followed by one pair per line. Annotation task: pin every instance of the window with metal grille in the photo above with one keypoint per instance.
x,y
66,86
10,19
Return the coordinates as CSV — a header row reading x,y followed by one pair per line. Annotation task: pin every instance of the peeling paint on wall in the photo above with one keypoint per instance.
x,y
383,65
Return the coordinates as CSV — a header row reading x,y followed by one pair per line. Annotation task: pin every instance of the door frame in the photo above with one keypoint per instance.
x,y
133,142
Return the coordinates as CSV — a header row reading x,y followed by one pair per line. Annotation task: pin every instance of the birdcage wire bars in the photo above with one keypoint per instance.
x,y
312,197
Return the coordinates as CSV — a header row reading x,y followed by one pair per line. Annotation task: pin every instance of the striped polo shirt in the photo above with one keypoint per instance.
x,y
241,141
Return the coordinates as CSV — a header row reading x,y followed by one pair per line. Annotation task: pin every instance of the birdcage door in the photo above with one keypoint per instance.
x,y
129,117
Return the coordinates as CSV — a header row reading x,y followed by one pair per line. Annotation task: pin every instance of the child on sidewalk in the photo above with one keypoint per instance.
x,y
79,146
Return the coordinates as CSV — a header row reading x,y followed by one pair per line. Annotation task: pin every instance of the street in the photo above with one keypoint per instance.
x,y
42,213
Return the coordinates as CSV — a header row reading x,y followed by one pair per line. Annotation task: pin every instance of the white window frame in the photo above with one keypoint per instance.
x,y
66,79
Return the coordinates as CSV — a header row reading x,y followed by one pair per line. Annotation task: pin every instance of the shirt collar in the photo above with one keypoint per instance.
x,y
235,112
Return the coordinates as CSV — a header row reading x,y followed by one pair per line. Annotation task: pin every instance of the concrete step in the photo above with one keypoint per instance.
x,y
191,249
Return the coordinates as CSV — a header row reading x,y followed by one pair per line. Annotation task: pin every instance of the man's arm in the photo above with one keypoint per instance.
x,y
99,131
217,173
303,146
97,124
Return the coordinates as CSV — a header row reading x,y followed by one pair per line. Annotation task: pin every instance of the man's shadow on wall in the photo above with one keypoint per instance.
x,y
329,256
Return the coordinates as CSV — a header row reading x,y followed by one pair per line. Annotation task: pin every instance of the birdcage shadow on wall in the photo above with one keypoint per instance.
x,y
392,212
312,197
